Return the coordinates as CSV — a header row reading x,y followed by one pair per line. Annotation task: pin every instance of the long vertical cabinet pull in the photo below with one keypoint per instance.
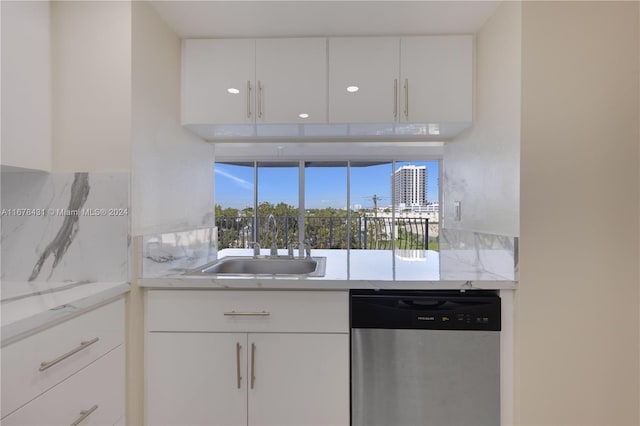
x,y
248,99
395,98
259,99
238,376
253,364
406,98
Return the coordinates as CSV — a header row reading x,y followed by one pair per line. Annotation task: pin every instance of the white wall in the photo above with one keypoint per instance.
x,y
26,84
577,300
481,166
91,74
172,173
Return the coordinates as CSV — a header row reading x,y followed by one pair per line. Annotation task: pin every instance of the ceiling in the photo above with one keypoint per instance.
x,y
236,19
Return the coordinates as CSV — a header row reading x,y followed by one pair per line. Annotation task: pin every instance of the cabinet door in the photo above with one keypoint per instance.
x,y
217,81
291,80
300,379
437,79
192,379
372,65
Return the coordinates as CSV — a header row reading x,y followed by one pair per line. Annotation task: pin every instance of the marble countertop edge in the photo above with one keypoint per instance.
x,y
268,283
15,330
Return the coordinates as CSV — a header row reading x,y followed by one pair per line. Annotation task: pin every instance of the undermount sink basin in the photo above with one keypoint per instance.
x,y
264,265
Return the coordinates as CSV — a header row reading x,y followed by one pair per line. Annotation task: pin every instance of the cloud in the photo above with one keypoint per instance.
x,y
245,184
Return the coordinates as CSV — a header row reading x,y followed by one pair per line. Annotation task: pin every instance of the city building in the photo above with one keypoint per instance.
x,y
409,184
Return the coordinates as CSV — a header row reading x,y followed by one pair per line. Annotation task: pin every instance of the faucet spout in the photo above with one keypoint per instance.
x,y
271,220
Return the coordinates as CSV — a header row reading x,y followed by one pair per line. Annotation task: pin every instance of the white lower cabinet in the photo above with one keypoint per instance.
x,y
191,379
300,379
71,373
220,376
92,396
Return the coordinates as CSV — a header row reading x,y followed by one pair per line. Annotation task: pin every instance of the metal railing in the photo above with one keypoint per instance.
x,y
329,232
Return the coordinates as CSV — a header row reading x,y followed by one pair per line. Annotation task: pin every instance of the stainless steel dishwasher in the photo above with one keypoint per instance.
x,y
425,358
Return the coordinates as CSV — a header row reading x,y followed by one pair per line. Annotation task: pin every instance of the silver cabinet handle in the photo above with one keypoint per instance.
x,y
247,314
259,99
253,364
83,415
248,99
395,98
83,345
406,98
238,376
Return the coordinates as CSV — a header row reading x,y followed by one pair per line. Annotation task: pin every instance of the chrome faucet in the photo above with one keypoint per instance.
x,y
274,233
307,245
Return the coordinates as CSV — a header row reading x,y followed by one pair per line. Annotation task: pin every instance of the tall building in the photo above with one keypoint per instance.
x,y
410,186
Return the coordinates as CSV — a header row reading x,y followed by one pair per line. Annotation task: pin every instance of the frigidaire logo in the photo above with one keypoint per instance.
x,y
426,318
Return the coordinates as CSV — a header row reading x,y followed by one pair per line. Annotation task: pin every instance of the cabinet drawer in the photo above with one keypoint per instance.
x,y
98,388
247,311
72,343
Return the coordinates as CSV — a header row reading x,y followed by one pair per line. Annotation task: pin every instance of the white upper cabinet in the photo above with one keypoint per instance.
x,y
363,79
417,87
291,80
26,107
218,81
436,79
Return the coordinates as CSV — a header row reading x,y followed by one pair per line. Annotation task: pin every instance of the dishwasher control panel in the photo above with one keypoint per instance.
x,y
428,309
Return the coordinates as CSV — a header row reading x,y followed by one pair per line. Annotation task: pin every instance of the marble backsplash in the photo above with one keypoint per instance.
x,y
463,256
467,255
60,227
177,252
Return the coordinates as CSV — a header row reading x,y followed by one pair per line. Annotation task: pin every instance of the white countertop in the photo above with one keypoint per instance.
x,y
370,269
27,307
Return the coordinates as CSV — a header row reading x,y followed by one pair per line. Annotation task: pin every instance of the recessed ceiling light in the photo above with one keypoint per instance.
x,y
352,89
303,115
233,90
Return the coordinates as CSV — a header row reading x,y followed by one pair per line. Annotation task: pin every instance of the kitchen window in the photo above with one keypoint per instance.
x,y
329,204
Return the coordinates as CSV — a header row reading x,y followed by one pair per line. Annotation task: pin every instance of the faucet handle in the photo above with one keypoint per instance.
x,y
256,248
307,246
291,245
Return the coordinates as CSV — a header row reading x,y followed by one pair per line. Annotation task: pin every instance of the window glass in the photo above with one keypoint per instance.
x,y
325,218
234,204
371,203
415,201
278,196
384,200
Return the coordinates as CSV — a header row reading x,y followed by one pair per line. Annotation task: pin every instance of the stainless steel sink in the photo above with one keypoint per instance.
x,y
264,265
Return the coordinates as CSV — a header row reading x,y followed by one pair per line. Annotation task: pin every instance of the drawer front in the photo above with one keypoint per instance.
x,y
72,343
94,395
248,311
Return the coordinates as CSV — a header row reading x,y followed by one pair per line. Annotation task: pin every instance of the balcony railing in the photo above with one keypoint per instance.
x,y
330,232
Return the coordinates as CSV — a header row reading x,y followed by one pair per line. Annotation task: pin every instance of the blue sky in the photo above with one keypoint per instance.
x,y
324,186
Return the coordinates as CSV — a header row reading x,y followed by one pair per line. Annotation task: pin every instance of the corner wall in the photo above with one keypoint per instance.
x,y
577,300
172,169
481,166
